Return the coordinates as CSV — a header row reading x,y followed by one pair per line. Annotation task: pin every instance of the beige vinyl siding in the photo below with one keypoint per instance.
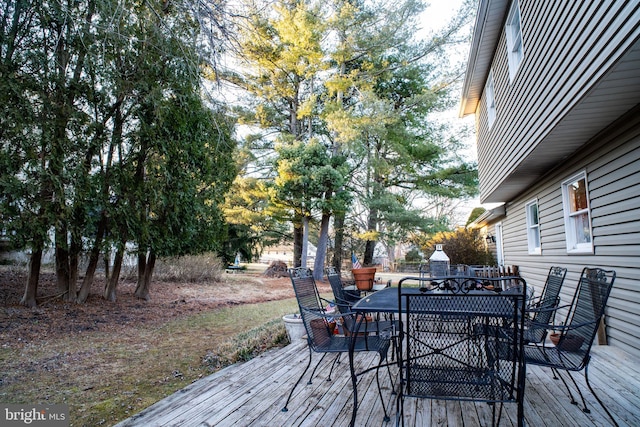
x,y
612,163
569,46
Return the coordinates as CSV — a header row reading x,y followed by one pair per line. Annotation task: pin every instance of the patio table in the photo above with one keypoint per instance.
x,y
480,305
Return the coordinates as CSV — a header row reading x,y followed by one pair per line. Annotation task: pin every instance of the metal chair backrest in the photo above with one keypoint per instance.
x,y
342,299
587,309
310,305
553,284
549,300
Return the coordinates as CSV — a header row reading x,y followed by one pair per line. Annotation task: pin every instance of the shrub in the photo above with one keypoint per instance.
x,y
462,246
247,345
190,268
413,256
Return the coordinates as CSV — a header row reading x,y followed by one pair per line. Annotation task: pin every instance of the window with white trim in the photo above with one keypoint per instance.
x,y
491,100
533,228
515,48
577,215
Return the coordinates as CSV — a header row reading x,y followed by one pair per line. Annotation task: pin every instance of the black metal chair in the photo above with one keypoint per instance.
x,y
577,332
455,333
346,298
320,337
542,309
345,301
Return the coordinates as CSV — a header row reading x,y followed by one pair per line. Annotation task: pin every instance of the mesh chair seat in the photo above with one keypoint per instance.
x,y
551,357
340,344
322,340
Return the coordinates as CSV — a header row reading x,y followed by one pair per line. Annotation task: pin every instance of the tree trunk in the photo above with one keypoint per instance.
x,y
338,225
391,254
297,241
106,257
72,292
31,289
74,260
368,252
339,217
318,268
62,261
144,281
142,266
305,242
148,274
371,244
94,257
112,282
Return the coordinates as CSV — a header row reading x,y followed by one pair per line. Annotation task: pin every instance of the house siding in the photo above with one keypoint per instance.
x,y
612,163
568,48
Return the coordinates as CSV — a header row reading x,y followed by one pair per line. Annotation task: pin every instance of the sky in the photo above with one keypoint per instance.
x,y
436,15
440,11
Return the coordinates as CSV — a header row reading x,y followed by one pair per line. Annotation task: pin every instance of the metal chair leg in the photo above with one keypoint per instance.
x,y
400,409
584,402
384,408
566,386
316,368
400,393
333,364
554,371
586,378
284,408
393,386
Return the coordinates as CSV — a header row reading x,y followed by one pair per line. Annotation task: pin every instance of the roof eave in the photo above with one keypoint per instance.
x,y
486,33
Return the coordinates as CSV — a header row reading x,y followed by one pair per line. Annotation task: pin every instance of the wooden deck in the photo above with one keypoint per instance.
x,y
252,394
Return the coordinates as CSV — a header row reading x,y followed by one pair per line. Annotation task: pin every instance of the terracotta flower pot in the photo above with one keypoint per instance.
x,y
364,277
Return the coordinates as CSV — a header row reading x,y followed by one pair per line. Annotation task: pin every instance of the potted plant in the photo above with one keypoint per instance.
x,y
294,326
363,276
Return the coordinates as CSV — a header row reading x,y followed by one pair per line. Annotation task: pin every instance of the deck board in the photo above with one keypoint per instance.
x,y
253,393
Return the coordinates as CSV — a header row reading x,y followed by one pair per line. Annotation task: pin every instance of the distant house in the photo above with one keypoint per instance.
x,y
284,253
555,90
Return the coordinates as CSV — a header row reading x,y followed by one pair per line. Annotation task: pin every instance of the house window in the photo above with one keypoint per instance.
x,y
491,100
515,49
577,217
533,228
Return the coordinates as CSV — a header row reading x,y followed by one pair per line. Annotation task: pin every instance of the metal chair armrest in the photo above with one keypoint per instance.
x,y
547,309
324,314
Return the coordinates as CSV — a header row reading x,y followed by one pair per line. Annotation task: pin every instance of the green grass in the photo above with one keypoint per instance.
x,y
106,377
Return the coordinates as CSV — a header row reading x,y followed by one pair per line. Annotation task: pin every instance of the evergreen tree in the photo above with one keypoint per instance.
x,y
107,138
367,90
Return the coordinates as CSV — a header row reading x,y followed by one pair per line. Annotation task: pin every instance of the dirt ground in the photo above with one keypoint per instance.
x,y
20,325
109,360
